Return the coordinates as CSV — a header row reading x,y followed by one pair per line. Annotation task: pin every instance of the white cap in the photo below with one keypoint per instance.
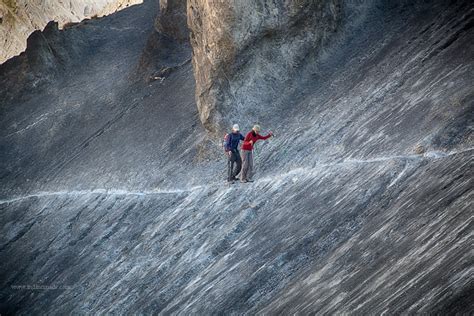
x,y
235,127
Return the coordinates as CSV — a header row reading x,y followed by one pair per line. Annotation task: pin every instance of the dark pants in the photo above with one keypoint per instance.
x,y
232,171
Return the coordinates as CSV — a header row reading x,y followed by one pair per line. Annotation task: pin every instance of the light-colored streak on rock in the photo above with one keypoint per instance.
x,y
270,179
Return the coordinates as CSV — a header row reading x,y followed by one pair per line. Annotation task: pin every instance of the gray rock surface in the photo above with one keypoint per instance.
x,y
112,196
19,18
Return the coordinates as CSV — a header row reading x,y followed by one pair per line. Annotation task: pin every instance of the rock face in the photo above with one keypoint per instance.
x,y
243,51
19,18
47,54
172,20
168,47
112,201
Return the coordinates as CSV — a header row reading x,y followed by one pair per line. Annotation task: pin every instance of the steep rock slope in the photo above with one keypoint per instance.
x,y
84,95
362,204
19,18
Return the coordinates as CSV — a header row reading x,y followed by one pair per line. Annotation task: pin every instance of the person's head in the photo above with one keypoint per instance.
x,y
256,128
235,128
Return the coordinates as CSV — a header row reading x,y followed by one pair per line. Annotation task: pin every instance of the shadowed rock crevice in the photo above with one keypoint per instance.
x,y
168,47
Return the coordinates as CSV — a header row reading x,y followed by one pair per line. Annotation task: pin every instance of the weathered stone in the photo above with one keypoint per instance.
x,y
168,46
19,18
171,20
111,202
243,50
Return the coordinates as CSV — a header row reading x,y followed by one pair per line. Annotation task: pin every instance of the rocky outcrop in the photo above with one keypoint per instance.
x,y
245,50
45,55
19,18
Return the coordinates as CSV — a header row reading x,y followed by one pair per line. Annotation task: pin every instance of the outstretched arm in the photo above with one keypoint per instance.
x,y
265,137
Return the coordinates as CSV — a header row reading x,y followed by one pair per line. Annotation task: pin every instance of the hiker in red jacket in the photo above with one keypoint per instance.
x,y
247,154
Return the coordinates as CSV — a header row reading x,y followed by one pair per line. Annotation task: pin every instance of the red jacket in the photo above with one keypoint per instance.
x,y
252,136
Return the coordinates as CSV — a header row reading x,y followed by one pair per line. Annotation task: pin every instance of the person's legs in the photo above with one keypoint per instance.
x,y
230,167
250,166
238,164
245,164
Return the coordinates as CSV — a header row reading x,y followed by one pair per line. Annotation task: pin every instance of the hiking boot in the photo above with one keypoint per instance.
x,y
244,181
249,180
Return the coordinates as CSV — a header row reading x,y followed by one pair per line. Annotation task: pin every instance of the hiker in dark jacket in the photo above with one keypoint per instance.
x,y
231,145
247,152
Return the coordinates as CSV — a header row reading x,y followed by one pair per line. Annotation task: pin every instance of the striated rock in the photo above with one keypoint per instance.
x,y
111,203
243,51
19,18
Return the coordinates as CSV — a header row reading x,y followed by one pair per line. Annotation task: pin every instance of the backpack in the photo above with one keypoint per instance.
x,y
226,142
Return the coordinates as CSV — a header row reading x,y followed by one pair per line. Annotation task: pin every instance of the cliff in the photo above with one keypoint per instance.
x,y
113,197
245,51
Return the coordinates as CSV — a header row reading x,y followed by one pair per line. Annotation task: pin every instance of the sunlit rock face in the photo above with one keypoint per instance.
x,y
19,18
244,50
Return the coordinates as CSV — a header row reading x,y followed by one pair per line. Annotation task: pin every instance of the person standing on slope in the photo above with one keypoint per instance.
x,y
247,152
231,146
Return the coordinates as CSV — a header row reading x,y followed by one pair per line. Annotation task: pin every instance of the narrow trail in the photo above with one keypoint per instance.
x,y
432,155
